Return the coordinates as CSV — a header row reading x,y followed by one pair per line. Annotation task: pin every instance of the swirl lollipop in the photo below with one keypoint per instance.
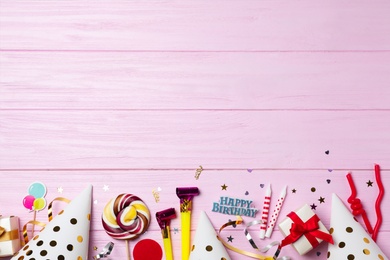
x,y
126,217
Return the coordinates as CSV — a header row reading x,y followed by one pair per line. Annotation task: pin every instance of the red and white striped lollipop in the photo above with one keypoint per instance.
x,y
126,217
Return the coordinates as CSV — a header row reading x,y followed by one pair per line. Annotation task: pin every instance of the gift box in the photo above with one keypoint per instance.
x,y
9,236
304,230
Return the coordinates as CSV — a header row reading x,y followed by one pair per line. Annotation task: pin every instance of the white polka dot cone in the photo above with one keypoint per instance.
x,y
66,236
351,241
206,244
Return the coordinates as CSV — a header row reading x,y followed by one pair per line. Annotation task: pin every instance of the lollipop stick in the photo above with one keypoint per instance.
x,y
33,225
128,250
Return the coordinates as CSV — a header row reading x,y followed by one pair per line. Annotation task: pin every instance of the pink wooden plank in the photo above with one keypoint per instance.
x,y
43,80
141,183
181,139
195,26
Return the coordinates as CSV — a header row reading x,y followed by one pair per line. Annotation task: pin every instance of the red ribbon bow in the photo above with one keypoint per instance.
x,y
309,229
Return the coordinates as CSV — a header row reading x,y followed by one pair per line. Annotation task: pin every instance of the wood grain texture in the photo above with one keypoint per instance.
x,y
154,81
195,26
182,139
136,95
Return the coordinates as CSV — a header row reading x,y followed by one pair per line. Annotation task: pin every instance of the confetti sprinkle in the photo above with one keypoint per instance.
x,y
198,172
95,248
294,191
230,239
249,170
328,181
313,206
369,183
60,189
313,189
318,253
224,187
234,225
156,195
330,170
175,230
327,152
106,188
262,185
247,193
95,202
321,200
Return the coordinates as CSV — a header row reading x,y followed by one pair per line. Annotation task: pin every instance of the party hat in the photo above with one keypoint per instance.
x,y
206,244
351,241
66,236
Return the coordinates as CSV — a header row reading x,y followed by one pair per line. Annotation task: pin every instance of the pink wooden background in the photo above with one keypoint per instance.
x,y
136,95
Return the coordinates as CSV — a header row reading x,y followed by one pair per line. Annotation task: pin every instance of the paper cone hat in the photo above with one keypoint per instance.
x,y
206,244
351,241
66,236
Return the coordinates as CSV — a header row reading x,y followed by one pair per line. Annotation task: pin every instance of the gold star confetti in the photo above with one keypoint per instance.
x,y
294,191
321,200
95,248
369,183
224,187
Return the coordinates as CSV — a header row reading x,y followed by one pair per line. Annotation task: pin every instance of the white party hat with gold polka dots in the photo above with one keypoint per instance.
x,y
351,241
206,244
66,236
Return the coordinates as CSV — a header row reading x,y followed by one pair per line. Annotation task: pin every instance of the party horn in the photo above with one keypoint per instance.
x,y
185,195
164,220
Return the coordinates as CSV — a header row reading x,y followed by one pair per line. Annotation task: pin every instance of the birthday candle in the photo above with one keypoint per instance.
x,y
276,212
264,215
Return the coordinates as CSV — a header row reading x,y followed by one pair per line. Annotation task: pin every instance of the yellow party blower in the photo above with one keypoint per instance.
x,y
185,195
164,221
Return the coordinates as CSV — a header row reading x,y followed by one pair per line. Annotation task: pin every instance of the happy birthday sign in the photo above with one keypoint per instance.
x,y
234,206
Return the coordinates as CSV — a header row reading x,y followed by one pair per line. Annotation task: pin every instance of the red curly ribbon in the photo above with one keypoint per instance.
x,y
378,202
309,229
356,205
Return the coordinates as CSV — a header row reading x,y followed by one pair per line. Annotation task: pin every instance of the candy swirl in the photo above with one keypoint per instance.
x,y
125,217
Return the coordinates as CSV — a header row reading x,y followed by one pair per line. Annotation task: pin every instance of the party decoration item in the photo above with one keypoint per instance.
x,y
126,217
164,220
357,207
304,230
105,252
206,244
66,236
35,200
264,214
147,249
234,206
9,236
198,172
351,241
186,194
252,242
275,214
